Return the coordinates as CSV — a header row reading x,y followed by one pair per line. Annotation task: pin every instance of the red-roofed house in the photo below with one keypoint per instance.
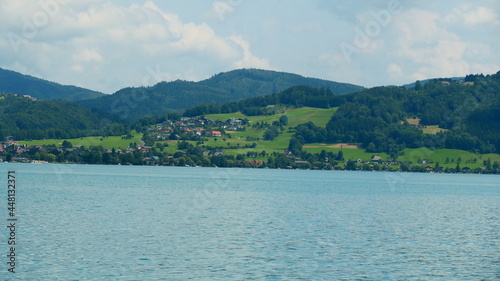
x,y
216,134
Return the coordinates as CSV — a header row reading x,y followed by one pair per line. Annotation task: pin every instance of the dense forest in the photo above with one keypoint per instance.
x,y
297,96
23,118
17,83
131,104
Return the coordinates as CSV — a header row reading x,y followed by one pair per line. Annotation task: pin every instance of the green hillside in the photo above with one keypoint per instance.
x,y
16,83
131,104
442,126
118,142
259,82
235,145
23,118
321,117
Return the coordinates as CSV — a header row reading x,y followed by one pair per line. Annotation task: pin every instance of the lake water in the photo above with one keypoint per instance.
x,y
80,222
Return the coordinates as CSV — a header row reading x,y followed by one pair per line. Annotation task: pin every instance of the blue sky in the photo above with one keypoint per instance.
x,y
108,45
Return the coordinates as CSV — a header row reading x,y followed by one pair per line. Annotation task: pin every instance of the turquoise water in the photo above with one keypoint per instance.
x,y
80,222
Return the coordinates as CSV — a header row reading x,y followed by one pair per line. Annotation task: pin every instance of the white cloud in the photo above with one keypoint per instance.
x,y
221,10
107,44
314,27
394,70
112,46
77,68
249,60
465,14
88,55
427,49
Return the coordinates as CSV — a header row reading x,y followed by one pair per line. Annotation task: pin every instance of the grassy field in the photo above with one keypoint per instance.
x,y
432,130
413,121
349,154
279,144
440,155
107,142
318,116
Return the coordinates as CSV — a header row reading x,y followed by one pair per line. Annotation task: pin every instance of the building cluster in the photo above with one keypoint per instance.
x,y
199,126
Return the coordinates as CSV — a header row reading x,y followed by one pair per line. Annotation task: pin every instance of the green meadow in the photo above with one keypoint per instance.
x,y
467,159
349,153
107,142
319,116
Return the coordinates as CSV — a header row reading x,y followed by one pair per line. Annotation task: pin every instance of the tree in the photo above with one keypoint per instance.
x,y
67,144
284,120
295,146
418,85
148,140
271,162
60,158
371,147
437,168
270,133
50,158
351,165
488,164
340,156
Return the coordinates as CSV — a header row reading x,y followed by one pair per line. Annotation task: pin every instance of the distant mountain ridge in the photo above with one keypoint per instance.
x,y
280,81
422,82
131,104
17,83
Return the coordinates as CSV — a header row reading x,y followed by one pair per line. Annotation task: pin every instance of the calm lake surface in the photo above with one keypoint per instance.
x,y
80,222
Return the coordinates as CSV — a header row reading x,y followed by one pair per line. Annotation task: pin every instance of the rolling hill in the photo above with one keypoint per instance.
x,y
455,115
17,83
23,118
131,104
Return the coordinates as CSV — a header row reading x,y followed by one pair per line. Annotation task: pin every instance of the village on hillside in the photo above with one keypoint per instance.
x,y
151,150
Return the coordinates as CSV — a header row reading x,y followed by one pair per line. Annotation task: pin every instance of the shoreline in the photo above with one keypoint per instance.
x,y
261,168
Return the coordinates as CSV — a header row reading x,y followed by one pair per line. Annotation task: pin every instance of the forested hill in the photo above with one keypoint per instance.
x,y
388,119
23,118
17,83
456,114
133,103
259,82
296,96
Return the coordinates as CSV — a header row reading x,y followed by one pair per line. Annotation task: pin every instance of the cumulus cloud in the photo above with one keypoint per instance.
x,y
222,10
427,49
106,47
425,39
465,14
394,70
107,44
88,55
248,60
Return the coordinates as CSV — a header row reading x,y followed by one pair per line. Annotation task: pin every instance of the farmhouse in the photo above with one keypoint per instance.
x,y
216,134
